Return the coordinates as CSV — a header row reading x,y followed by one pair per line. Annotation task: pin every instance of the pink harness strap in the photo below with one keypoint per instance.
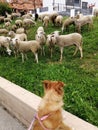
x,y
40,121
32,123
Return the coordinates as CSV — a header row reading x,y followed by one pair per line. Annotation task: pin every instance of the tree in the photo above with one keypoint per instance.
x,y
4,7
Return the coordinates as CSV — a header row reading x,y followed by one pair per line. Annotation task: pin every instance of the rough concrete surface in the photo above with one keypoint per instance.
x,y
7,122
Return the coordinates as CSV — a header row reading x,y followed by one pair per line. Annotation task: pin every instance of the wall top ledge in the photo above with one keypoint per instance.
x,y
31,101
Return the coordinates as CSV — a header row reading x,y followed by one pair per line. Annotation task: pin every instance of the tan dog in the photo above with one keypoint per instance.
x,y
49,116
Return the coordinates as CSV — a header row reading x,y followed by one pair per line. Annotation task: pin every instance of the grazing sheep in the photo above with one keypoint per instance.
x,y
7,20
20,30
7,24
5,42
3,31
68,40
52,17
41,16
14,27
46,21
18,23
22,36
95,12
28,23
15,15
85,20
27,16
69,21
2,19
8,15
59,20
25,46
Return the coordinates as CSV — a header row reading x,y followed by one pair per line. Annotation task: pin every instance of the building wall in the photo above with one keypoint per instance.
x,y
91,2
50,2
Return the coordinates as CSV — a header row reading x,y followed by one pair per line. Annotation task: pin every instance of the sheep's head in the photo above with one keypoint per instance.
x,y
40,35
51,40
11,34
56,33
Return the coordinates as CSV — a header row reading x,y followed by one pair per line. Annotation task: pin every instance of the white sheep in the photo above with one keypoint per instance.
x,y
52,17
14,27
50,42
20,30
68,40
59,20
40,28
7,24
46,21
3,31
79,15
8,15
41,38
95,12
7,20
41,16
27,16
85,20
14,36
67,22
5,42
2,19
19,22
22,36
15,15
28,22
25,46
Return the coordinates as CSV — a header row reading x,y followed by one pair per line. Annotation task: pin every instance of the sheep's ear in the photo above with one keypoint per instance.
x,y
52,33
16,40
59,32
7,39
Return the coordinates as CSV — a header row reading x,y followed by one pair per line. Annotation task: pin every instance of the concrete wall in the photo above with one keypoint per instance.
x,y
23,104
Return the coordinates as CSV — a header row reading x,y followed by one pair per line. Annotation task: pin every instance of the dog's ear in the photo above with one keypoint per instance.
x,y
59,87
46,83
61,84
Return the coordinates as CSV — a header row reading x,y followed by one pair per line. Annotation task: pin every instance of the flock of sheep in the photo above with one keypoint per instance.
x,y
13,37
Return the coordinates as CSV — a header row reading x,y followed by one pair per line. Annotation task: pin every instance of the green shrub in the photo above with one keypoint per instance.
x,y
4,7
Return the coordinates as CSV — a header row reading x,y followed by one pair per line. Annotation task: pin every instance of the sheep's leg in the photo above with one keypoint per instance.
x,y
36,57
80,48
26,57
22,57
51,50
62,29
75,51
61,50
15,53
43,50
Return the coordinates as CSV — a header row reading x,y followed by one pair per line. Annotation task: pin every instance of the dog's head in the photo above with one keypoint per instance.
x,y
55,86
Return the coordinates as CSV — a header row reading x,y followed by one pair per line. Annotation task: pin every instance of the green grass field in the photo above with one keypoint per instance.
x,y
80,76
